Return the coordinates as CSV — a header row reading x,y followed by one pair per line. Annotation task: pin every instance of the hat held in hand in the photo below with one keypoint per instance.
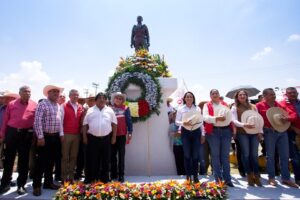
x,y
274,116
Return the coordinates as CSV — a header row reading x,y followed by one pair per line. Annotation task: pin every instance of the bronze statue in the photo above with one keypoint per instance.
x,y
140,35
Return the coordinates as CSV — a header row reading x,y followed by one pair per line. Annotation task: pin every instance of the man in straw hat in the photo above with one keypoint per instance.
x,y
49,133
217,118
293,104
89,102
16,131
275,125
124,132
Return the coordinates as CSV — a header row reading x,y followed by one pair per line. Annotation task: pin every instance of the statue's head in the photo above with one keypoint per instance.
x,y
139,19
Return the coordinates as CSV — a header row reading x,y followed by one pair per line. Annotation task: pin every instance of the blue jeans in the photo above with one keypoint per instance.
x,y
191,144
249,147
294,154
280,141
219,143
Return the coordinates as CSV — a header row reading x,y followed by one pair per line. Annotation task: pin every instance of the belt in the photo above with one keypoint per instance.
x,y
99,136
222,127
51,134
22,130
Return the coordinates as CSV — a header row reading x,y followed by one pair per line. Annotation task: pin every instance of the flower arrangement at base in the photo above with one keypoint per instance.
x,y
170,190
142,70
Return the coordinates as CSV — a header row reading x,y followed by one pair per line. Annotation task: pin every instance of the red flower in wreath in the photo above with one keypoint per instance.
x,y
144,108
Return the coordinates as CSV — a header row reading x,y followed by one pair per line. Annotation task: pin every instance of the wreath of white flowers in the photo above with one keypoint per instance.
x,y
151,88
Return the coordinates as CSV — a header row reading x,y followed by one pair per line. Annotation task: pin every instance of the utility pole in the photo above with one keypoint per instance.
x,y
86,92
95,85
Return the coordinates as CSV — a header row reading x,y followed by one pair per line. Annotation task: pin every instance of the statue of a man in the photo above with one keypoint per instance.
x,y
140,35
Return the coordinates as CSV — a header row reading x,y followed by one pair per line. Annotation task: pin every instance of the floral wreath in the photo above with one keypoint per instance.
x,y
141,69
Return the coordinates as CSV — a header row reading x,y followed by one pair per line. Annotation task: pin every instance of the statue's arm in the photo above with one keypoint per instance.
x,y
132,36
148,36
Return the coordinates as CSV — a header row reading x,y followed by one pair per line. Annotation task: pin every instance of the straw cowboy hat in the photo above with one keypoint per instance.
x,y
254,118
223,111
195,117
169,99
91,96
120,94
10,94
47,88
274,114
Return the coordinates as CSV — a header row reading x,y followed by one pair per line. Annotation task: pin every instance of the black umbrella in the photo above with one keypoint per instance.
x,y
252,91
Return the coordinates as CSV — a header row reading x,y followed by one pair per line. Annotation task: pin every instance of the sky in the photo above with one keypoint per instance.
x,y
207,43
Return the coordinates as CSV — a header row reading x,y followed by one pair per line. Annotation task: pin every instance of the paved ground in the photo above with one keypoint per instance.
x,y
240,191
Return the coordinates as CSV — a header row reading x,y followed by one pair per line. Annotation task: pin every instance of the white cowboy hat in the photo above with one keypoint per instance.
x,y
10,94
254,118
195,117
47,88
117,94
274,114
223,111
91,96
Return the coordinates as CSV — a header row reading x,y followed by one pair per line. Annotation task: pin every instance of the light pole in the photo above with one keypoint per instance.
x,y
86,92
95,85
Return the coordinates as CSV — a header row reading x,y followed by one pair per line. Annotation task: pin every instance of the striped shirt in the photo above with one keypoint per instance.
x,y
48,118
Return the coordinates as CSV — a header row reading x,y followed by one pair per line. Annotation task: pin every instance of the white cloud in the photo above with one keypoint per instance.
x,y
31,73
261,54
294,37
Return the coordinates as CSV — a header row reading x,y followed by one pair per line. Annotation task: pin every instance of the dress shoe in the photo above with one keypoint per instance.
x,y
51,186
250,179
290,183
37,191
188,178
21,190
121,179
12,184
4,189
272,182
229,184
196,180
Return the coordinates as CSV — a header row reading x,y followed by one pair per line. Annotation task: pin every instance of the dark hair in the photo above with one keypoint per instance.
x,y
267,90
194,102
236,100
290,88
100,94
213,90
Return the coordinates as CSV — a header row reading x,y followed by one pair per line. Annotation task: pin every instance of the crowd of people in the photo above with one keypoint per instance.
x,y
62,141
206,130
82,136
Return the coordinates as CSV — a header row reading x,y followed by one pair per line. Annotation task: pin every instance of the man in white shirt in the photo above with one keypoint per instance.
x,y
99,122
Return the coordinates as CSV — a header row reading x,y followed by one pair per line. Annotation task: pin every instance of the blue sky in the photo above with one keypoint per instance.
x,y
209,44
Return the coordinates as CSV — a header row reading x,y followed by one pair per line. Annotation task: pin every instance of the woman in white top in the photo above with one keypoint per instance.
x,y
191,128
248,142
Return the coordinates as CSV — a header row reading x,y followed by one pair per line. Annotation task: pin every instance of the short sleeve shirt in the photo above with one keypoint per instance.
x,y
99,121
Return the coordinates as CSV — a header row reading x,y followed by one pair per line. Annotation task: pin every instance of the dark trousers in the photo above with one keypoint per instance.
x,y
179,159
241,167
45,158
98,158
118,157
57,163
294,154
16,141
191,144
80,159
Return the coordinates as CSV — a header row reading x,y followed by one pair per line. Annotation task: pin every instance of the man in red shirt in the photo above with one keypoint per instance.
x,y
17,130
274,139
293,104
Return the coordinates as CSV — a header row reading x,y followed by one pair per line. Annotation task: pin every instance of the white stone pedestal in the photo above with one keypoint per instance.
x,y
150,152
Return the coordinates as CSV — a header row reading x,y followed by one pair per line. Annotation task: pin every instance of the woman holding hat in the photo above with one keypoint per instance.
x,y
217,119
248,134
190,119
